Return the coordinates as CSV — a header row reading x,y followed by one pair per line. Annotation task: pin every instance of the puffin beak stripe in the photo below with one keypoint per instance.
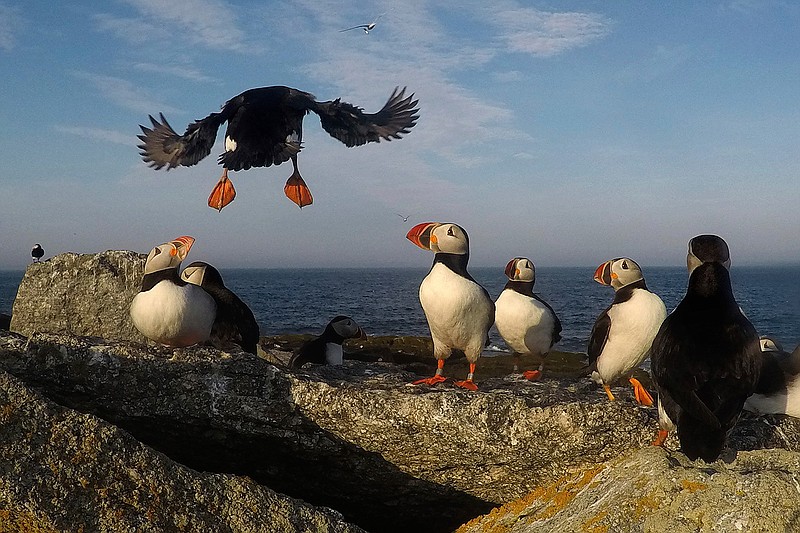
x,y
421,234
603,274
362,334
510,269
182,245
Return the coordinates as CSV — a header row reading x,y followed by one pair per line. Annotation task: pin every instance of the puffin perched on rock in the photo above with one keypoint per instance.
x,y
706,358
526,322
234,321
169,310
459,311
778,388
265,127
622,334
327,348
37,252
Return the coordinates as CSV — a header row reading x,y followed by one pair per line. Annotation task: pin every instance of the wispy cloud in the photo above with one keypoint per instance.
x,y
10,23
97,134
124,93
179,71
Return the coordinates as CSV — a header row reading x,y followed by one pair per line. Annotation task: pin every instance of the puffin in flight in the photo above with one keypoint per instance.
x,y
37,252
168,310
234,321
706,358
459,311
265,127
327,348
526,322
622,334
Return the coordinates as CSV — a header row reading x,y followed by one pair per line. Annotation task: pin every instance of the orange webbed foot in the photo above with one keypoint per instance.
x,y
297,191
466,384
433,380
532,375
661,437
642,396
608,392
222,194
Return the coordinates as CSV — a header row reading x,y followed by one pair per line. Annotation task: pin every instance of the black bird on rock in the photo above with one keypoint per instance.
x,y
327,348
265,127
706,356
37,252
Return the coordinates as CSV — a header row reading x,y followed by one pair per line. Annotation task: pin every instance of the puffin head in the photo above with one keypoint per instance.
x,y
439,237
168,255
707,249
199,272
768,344
347,328
618,272
521,269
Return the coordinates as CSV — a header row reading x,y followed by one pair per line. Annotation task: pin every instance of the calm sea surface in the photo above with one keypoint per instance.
x,y
385,301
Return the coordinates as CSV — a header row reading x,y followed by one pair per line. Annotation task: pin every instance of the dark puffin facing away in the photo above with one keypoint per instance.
x,y
706,358
622,334
327,348
265,127
234,321
526,322
37,252
167,309
459,311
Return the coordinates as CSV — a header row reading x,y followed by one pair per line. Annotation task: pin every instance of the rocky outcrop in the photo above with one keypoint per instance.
x,y
654,490
80,294
356,438
61,470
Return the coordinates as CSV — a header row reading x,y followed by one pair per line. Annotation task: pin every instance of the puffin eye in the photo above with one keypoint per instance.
x,y
625,265
156,251
450,231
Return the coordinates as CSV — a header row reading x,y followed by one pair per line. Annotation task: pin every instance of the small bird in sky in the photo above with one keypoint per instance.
x,y
405,218
37,252
366,27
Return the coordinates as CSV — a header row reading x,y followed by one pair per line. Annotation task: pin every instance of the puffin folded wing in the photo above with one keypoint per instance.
x,y
162,146
353,127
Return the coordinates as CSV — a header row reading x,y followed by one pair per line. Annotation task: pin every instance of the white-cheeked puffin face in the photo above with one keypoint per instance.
x,y
346,327
168,255
520,269
194,274
618,272
439,237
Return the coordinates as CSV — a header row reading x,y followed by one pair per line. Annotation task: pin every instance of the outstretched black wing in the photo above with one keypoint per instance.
x,y
162,146
353,127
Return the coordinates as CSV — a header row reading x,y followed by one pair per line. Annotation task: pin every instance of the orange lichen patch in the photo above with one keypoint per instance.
x,y
592,526
645,504
15,521
5,412
693,486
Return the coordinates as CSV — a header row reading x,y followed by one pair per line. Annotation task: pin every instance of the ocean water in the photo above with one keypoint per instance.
x,y
385,301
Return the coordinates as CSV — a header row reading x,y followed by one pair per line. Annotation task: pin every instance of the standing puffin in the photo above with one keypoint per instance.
x,y
706,358
234,321
778,389
265,127
37,252
622,334
526,322
459,311
327,348
169,310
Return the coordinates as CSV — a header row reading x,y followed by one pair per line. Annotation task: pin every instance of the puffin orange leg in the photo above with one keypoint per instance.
x,y
533,375
661,437
296,189
223,192
608,392
436,378
468,383
642,396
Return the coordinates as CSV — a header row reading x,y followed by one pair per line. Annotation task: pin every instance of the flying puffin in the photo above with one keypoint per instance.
x,y
234,321
622,334
778,389
37,252
706,358
169,310
265,127
327,348
459,311
526,322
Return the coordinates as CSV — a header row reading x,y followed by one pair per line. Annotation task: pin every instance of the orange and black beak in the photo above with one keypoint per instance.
x,y
603,274
181,246
511,269
421,234
361,334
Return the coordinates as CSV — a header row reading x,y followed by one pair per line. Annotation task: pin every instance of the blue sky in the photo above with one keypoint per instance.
x,y
568,132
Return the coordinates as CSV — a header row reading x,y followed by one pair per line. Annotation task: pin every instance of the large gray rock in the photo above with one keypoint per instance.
x,y
80,294
357,438
654,490
61,470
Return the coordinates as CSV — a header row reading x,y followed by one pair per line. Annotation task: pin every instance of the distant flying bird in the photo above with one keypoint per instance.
x,y
265,127
37,252
405,218
366,27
